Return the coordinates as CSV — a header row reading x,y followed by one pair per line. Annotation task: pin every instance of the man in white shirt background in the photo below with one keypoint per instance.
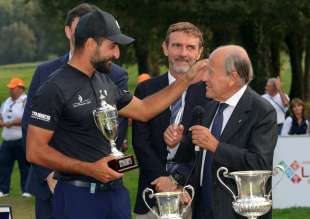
x,y
11,149
278,99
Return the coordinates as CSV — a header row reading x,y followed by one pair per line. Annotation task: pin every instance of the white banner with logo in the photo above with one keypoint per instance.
x,y
292,152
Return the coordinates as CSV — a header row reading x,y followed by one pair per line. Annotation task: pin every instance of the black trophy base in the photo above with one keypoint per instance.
x,y
123,164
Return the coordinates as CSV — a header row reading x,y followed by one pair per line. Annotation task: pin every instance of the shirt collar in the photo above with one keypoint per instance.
x,y
234,99
171,79
70,55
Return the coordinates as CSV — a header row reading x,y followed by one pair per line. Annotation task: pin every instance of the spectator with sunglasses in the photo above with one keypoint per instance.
x,y
11,113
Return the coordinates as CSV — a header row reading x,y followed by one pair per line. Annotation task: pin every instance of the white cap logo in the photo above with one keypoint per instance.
x,y
117,24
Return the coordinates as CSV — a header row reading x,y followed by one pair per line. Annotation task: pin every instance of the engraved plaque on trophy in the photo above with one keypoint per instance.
x,y
105,117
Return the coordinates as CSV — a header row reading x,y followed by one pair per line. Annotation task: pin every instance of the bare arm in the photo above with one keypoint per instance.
x,y
39,152
1,122
144,110
15,122
284,98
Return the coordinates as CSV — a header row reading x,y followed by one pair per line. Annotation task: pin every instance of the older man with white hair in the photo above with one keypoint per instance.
x,y
238,132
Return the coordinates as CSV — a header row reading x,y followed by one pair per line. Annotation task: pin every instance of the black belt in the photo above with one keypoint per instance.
x,y
93,186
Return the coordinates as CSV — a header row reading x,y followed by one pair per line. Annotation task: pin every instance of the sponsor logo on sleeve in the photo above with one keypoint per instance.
x,y
40,116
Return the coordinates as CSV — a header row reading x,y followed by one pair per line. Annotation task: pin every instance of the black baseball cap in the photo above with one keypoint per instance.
x,y
101,24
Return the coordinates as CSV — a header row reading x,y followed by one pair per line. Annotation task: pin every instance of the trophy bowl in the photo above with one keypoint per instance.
x,y
252,200
168,203
252,207
105,118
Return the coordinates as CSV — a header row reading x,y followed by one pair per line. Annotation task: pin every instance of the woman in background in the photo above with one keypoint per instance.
x,y
296,124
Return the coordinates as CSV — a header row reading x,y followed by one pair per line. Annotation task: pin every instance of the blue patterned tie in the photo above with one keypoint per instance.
x,y
207,175
218,121
175,108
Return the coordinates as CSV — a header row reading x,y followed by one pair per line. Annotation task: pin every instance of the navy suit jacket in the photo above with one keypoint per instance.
x,y
246,143
36,183
148,141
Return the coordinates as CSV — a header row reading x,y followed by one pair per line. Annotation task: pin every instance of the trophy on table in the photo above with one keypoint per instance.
x,y
168,203
252,200
105,117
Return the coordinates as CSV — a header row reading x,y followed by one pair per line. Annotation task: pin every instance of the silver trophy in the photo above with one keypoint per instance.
x,y
105,117
168,203
252,200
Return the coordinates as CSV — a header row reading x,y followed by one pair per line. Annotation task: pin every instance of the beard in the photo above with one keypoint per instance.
x,y
103,66
181,69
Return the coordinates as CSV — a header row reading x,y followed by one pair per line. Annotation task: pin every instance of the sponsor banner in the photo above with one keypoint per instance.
x,y
293,153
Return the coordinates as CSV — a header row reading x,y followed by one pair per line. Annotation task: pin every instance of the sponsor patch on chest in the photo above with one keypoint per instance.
x,y
81,102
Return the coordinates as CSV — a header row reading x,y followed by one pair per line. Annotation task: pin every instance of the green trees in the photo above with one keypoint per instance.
x,y
18,37
268,29
26,32
20,43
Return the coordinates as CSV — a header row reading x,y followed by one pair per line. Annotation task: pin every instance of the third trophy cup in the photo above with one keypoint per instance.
x,y
252,200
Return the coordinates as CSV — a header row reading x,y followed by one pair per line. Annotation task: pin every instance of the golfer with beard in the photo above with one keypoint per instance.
x,y
62,134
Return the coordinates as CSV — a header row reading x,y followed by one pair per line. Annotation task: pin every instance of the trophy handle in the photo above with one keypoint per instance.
x,y
275,172
94,116
146,190
189,187
225,174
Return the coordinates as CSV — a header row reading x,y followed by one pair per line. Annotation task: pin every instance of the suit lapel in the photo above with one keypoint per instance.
x,y
210,107
187,114
190,103
162,83
239,116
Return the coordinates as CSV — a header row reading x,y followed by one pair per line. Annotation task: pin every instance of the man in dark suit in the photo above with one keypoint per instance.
x,y
161,168
242,131
40,180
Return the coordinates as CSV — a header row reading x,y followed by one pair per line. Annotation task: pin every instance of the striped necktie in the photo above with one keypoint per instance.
x,y
175,108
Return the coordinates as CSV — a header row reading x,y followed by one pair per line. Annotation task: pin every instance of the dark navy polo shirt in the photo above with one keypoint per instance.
x,y
65,104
